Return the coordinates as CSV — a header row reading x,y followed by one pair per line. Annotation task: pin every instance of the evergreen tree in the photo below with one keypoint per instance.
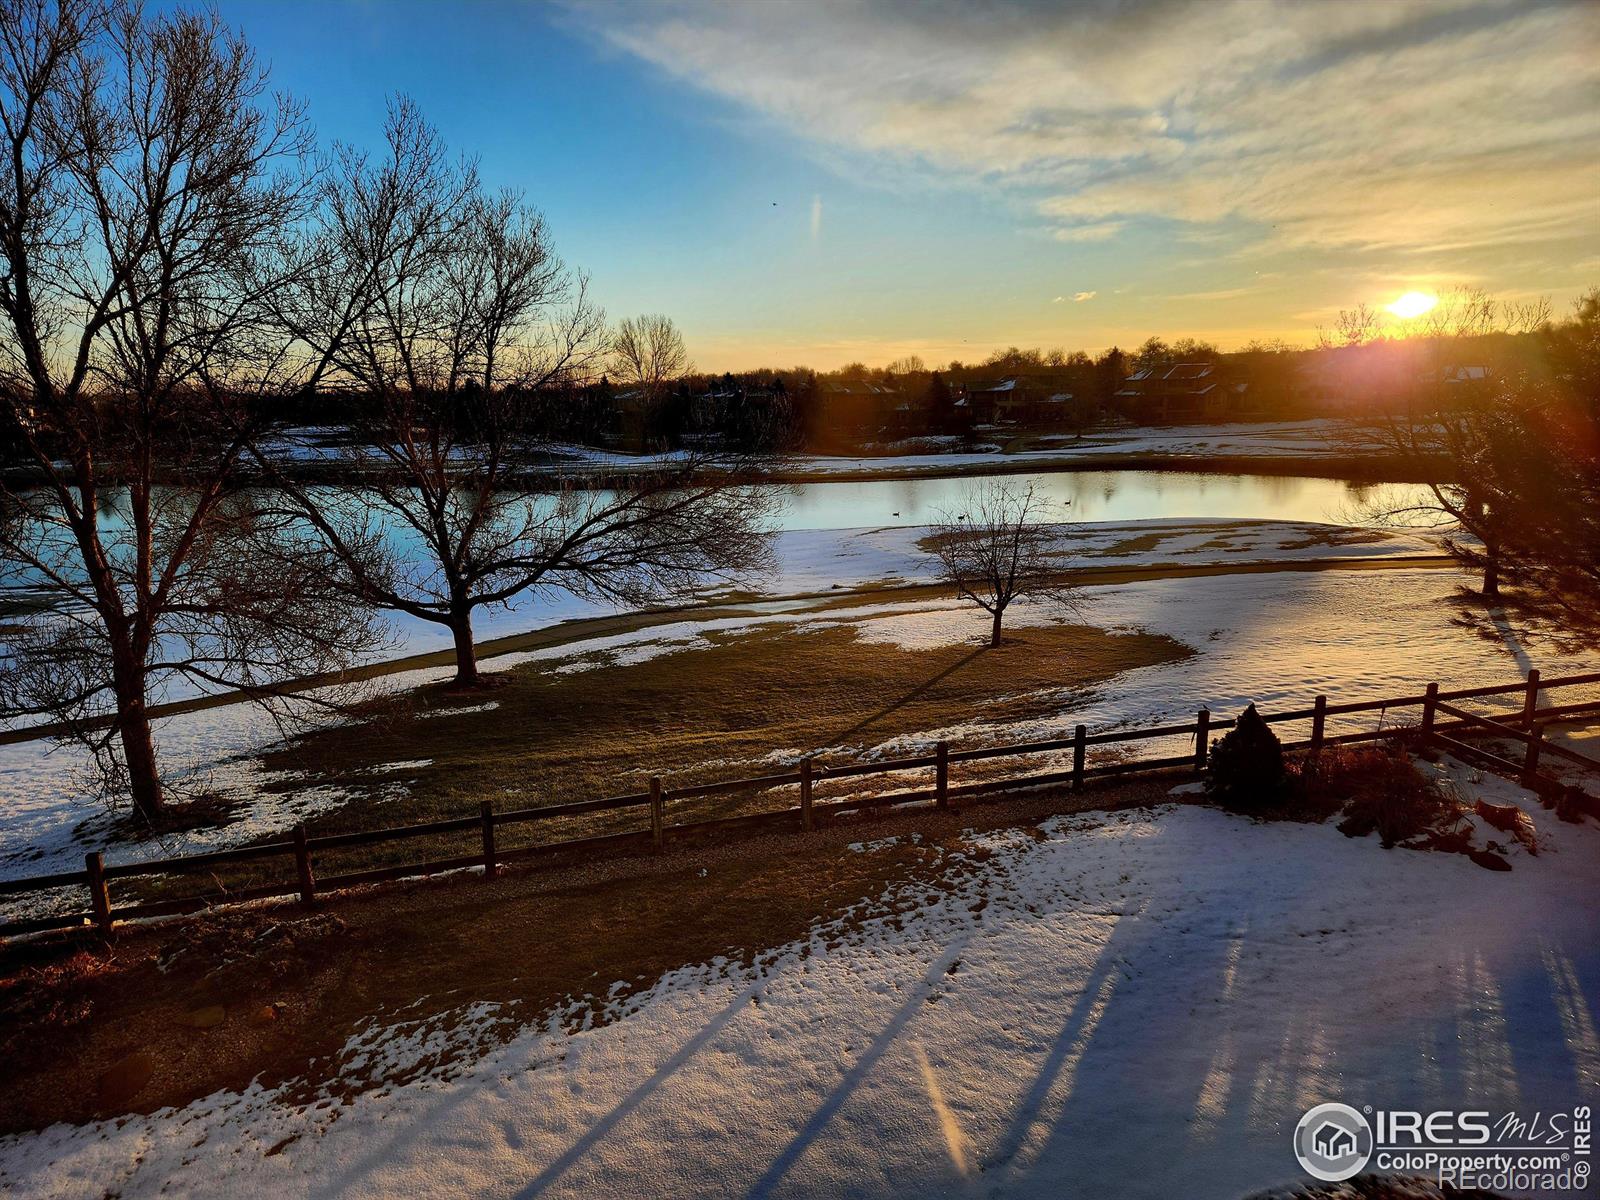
x,y
1247,764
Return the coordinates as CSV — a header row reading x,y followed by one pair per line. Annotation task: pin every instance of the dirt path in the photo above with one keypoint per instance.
x,y
584,628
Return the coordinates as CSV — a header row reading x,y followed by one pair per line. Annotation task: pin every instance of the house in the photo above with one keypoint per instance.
x,y
629,426
1352,380
852,407
1192,391
1032,401
1464,375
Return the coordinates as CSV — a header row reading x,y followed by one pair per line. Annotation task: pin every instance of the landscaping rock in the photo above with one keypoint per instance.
x,y
1502,816
1489,860
266,1014
208,1017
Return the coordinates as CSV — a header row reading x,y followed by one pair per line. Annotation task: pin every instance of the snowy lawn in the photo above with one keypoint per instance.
x,y
1309,439
1278,639
1133,1005
41,784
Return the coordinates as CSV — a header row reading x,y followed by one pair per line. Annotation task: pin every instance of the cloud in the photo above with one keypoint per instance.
x,y
816,217
1094,231
1455,127
1080,297
1232,293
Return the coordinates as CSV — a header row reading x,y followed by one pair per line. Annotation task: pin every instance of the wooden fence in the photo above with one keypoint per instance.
x,y
1439,721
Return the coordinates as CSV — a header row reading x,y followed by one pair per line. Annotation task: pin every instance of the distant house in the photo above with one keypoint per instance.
x,y
1030,401
854,407
1193,391
1464,374
1356,379
629,427
730,403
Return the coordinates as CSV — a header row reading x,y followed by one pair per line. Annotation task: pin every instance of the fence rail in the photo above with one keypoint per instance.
x,y
301,846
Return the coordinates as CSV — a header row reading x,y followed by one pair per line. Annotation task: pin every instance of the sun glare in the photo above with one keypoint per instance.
x,y
1413,304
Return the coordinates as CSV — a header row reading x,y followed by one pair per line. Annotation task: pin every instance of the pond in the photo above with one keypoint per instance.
x,y
1109,495
1088,496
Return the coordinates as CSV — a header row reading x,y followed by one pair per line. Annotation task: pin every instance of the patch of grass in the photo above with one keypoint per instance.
x,y
735,704
1336,536
735,697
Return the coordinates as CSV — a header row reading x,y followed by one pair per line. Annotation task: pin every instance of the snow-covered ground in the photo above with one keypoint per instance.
x,y
1266,439
1130,1005
816,560
1277,639
813,560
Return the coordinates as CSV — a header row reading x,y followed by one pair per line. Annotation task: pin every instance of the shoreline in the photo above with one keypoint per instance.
x,y
578,629
1356,468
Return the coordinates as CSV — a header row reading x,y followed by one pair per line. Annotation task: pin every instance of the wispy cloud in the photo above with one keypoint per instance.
x,y
1080,297
1232,293
816,217
1094,231
1454,127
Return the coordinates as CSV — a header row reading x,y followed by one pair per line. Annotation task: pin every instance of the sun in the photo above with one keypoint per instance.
x,y
1413,304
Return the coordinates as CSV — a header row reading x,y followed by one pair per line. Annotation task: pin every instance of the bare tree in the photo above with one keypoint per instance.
x,y
452,320
648,354
147,185
1455,427
1543,465
998,547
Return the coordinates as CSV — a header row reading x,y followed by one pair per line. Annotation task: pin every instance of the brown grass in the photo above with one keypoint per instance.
x,y
695,715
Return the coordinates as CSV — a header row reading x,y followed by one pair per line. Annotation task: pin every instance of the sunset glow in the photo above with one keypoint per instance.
x,y
1413,304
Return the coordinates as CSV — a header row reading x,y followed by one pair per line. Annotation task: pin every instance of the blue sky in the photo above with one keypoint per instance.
x,y
817,182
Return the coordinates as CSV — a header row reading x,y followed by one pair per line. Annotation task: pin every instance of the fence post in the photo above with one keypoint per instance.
x,y
1202,738
487,813
1530,702
1319,724
99,896
1430,704
941,775
1080,744
658,815
1530,762
807,821
302,865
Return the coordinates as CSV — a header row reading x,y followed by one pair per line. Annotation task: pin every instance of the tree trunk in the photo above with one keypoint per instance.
x,y
139,754
994,638
1491,574
466,654
133,728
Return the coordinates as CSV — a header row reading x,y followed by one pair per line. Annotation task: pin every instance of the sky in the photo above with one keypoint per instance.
x,y
824,181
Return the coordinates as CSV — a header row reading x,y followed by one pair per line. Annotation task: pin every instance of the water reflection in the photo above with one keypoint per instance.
x,y
1078,495
1088,495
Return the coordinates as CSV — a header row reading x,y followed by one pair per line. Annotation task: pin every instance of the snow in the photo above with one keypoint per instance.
x,y
1136,1005
1267,439
1277,639
813,560
1271,439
